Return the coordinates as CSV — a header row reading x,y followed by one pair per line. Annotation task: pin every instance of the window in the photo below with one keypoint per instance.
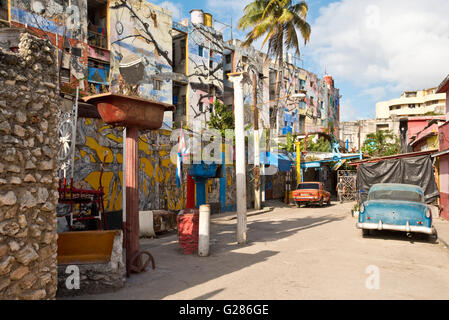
x,y
200,51
183,105
200,107
65,75
228,58
97,23
308,186
412,106
157,84
382,127
183,49
3,9
399,195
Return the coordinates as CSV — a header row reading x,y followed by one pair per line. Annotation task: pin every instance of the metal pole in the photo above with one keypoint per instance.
x,y
257,202
124,178
75,120
236,79
204,231
132,196
298,162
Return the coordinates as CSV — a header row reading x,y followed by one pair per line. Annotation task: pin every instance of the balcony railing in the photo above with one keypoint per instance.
x,y
97,39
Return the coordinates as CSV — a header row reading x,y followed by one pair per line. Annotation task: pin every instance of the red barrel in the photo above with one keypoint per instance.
x,y
188,230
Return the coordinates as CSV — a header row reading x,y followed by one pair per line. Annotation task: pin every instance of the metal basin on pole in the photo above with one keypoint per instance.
x,y
135,114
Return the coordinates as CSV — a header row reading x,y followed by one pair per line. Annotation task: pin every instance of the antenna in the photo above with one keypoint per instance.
x,y
231,28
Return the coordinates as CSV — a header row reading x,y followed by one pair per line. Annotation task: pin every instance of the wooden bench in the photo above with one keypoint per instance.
x,y
85,247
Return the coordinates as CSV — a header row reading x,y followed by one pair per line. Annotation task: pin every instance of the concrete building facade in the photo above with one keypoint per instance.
x,y
413,103
443,155
353,133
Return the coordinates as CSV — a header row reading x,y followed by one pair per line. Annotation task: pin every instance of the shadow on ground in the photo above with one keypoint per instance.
x,y
401,236
176,272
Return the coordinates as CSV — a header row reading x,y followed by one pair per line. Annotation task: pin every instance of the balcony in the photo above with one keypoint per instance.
x,y
97,39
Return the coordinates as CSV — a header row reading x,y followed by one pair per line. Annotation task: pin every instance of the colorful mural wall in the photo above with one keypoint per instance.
x,y
205,70
254,62
65,25
141,51
98,144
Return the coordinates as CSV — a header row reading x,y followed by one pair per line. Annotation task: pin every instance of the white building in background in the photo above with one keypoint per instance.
x,y
413,103
353,133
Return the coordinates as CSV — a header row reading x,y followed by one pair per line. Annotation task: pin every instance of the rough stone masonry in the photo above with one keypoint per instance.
x,y
29,105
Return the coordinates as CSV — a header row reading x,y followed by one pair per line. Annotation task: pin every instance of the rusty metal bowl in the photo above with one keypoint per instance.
x,y
129,111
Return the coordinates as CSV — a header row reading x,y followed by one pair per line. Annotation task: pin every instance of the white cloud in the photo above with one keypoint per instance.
x,y
347,110
175,8
376,93
401,44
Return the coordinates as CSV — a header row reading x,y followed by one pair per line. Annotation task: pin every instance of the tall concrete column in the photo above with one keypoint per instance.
x,y
236,78
257,202
132,196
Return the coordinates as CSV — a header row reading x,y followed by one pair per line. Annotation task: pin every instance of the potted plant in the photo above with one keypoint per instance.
x,y
355,210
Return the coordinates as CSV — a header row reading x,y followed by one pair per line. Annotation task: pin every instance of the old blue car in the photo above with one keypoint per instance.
x,y
393,206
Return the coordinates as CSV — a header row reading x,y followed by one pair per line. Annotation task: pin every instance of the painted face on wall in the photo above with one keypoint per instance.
x,y
132,69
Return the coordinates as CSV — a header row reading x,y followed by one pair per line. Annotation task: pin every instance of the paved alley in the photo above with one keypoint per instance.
x,y
305,253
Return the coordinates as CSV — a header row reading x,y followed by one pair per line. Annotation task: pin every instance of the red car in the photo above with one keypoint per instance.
x,y
311,192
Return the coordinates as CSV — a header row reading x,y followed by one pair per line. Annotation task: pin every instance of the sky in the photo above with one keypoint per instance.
x,y
374,49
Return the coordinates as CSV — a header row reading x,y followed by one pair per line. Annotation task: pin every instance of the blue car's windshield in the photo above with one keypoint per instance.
x,y
402,195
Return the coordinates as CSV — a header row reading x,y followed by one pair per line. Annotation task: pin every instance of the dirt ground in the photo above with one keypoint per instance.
x,y
294,253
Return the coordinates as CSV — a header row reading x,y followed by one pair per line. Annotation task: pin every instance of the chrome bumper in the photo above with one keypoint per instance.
x,y
405,228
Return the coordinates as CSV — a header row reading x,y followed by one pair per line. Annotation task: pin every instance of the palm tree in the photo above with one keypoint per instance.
x,y
278,21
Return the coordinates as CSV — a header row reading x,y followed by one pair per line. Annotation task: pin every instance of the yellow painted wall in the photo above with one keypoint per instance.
x,y
98,142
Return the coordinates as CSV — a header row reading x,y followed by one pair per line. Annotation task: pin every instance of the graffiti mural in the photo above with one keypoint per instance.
x,y
255,63
205,73
98,146
141,51
64,24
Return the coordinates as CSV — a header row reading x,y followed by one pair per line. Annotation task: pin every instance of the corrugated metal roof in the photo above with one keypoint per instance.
x,y
397,156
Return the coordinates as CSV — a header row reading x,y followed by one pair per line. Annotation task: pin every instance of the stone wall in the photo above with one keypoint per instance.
x,y
28,179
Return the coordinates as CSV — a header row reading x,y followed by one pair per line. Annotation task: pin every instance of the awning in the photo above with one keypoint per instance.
x,y
279,160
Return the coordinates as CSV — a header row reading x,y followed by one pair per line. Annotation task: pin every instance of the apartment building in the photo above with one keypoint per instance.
x,y
413,103
120,46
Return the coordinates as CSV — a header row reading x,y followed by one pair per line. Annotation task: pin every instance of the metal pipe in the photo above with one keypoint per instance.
x,y
132,197
75,120
236,79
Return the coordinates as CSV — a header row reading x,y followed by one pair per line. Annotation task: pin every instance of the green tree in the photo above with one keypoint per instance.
x,y
382,143
278,21
290,145
321,145
222,118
